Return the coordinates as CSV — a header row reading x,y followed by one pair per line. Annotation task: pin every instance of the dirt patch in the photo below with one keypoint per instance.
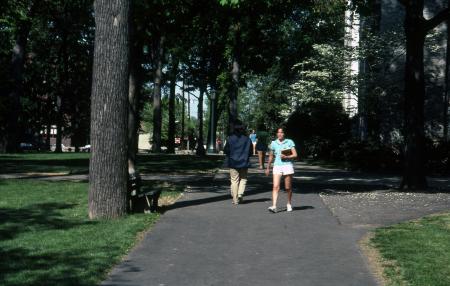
x,y
373,259
165,201
376,262
383,207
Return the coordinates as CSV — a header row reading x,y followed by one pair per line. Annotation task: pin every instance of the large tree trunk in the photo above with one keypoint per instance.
x,y
133,119
414,174
17,64
233,94
109,111
157,115
48,131
233,116
63,91
173,82
212,123
183,114
447,88
200,148
59,123
134,92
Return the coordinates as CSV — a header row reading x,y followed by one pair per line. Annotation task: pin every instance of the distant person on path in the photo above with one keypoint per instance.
x,y
261,148
218,144
284,151
254,138
238,150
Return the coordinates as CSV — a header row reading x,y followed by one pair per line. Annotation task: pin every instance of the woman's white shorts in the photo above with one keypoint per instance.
x,y
283,169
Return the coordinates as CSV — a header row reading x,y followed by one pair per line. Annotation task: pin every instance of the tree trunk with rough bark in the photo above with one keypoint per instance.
x,y
183,114
233,94
212,123
200,148
173,82
109,111
416,29
157,115
63,92
414,176
47,138
447,88
17,64
134,92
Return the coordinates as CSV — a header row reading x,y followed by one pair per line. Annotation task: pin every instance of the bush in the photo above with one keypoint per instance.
x,y
438,154
369,155
318,128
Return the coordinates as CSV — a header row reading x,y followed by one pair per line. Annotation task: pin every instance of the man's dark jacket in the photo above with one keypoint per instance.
x,y
238,150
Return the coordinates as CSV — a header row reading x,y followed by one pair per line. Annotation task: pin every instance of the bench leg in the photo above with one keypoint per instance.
x,y
149,205
154,205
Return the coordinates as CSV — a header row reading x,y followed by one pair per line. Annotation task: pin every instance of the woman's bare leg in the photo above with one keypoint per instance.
x,y
276,188
288,187
261,159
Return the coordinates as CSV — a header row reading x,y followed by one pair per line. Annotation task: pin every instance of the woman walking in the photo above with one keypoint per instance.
x,y
261,148
238,150
283,150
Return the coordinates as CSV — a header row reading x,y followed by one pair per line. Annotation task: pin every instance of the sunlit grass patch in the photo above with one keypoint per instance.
x,y
46,237
417,252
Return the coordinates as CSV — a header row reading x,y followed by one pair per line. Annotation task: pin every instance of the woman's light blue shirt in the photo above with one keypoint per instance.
x,y
276,147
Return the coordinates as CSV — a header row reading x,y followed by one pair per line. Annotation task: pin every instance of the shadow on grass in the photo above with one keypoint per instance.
x,y
44,216
35,165
20,266
148,163
30,266
177,163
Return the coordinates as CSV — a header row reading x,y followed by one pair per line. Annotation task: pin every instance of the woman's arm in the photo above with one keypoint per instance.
x,y
292,156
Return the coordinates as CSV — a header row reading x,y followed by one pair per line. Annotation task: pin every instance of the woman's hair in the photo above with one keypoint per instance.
x,y
278,128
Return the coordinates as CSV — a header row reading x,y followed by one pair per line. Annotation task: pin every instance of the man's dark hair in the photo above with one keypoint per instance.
x,y
239,128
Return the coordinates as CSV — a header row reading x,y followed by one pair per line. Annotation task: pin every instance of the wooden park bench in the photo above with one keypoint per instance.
x,y
141,198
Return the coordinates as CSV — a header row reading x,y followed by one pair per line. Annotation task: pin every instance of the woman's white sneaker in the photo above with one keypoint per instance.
x,y
272,209
288,207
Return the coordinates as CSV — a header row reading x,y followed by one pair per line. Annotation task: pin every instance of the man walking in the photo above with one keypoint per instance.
x,y
238,150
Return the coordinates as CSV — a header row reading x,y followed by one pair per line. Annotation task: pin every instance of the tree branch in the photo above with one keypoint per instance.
x,y
438,19
403,2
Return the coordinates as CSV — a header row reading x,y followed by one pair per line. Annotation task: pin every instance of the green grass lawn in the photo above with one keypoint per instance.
x,y
177,163
44,163
416,253
46,237
78,163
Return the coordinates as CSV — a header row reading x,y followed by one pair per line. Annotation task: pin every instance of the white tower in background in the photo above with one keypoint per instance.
x,y
352,38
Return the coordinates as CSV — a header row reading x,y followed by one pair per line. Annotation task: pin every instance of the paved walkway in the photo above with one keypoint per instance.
x,y
204,240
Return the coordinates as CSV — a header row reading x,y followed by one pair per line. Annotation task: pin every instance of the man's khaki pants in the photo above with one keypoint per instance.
x,y
238,181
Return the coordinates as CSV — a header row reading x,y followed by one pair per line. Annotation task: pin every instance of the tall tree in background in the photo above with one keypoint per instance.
x,y
109,110
235,31
446,103
134,88
158,57
416,29
173,83
17,67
